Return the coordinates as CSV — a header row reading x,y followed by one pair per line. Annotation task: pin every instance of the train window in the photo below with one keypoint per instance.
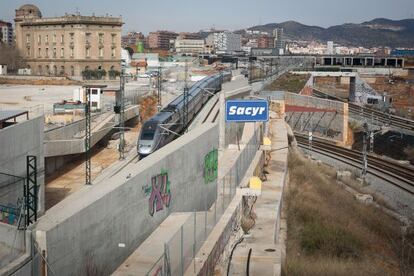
x,y
147,135
148,131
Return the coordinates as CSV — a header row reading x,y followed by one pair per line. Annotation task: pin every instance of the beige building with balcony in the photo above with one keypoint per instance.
x,y
68,45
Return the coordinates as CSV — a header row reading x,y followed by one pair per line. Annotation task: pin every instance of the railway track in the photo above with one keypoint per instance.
x,y
386,119
211,111
392,172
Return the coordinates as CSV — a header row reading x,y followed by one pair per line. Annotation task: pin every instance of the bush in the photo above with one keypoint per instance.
x,y
113,74
96,74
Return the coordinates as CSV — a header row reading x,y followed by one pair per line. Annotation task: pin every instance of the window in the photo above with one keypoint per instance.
x,y
47,38
54,52
62,70
94,92
62,39
72,71
113,38
72,52
88,52
88,37
39,52
113,52
94,104
72,36
39,70
28,51
62,52
101,38
27,38
47,52
101,53
54,38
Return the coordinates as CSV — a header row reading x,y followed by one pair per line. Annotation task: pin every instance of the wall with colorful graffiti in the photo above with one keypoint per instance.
x,y
159,192
211,166
129,206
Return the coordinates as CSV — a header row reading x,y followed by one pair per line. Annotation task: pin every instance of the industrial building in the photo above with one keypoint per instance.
x,y
69,44
6,32
224,41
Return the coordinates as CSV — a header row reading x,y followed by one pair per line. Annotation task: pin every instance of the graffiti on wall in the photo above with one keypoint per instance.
x,y
211,166
159,192
10,214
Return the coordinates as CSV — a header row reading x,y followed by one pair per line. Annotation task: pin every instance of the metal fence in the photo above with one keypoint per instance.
x,y
181,249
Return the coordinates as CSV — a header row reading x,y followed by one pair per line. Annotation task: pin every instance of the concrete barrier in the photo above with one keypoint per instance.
x,y
325,118
83,232
16,142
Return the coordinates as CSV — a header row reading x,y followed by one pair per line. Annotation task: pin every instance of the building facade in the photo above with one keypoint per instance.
x,y
279,40
6,32
68,45
224,41
161,39
265,41
189,46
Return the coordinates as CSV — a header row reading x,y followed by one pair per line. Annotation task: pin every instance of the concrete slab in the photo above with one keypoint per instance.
x,y
266,253
147,254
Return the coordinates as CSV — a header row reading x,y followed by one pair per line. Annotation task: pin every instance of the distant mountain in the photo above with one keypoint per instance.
x,y
378,32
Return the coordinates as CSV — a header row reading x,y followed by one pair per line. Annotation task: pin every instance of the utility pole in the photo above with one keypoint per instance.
x,y
371,141
88,137
364,152
121,145
185,113
159,106
250,69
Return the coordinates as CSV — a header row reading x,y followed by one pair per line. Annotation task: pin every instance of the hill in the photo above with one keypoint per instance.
x,y
377,32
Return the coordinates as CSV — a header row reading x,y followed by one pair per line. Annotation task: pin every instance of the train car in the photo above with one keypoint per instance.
x,y
171,121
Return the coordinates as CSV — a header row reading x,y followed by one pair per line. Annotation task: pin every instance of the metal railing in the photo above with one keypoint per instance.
x,y
182,248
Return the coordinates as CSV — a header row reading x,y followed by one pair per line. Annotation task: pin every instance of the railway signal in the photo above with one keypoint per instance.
x,y
121,145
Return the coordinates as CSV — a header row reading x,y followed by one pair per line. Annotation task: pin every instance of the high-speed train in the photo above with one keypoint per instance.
x,y
167,124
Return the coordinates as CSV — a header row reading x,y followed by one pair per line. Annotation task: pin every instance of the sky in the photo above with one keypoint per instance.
x,y
193,15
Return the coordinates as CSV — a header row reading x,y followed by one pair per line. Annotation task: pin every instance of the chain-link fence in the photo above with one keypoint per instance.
x,y
181,249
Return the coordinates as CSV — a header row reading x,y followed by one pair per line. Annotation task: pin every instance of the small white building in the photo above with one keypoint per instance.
x,y
96,97
3,69
125,58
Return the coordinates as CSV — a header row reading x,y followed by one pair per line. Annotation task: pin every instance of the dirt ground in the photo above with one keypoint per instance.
x,y
43,81
72,177
289,82
330,233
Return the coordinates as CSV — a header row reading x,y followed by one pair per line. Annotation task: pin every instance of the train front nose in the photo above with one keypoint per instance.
x,y
145,147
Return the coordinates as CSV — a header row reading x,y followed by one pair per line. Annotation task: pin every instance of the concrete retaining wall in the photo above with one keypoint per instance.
x,y
333,125
15,250
84,230
68,139
16,142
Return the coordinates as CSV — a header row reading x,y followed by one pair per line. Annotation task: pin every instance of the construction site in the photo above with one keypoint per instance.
x,y
222,198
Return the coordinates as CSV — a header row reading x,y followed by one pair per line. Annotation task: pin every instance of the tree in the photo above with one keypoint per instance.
x,y
11,56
